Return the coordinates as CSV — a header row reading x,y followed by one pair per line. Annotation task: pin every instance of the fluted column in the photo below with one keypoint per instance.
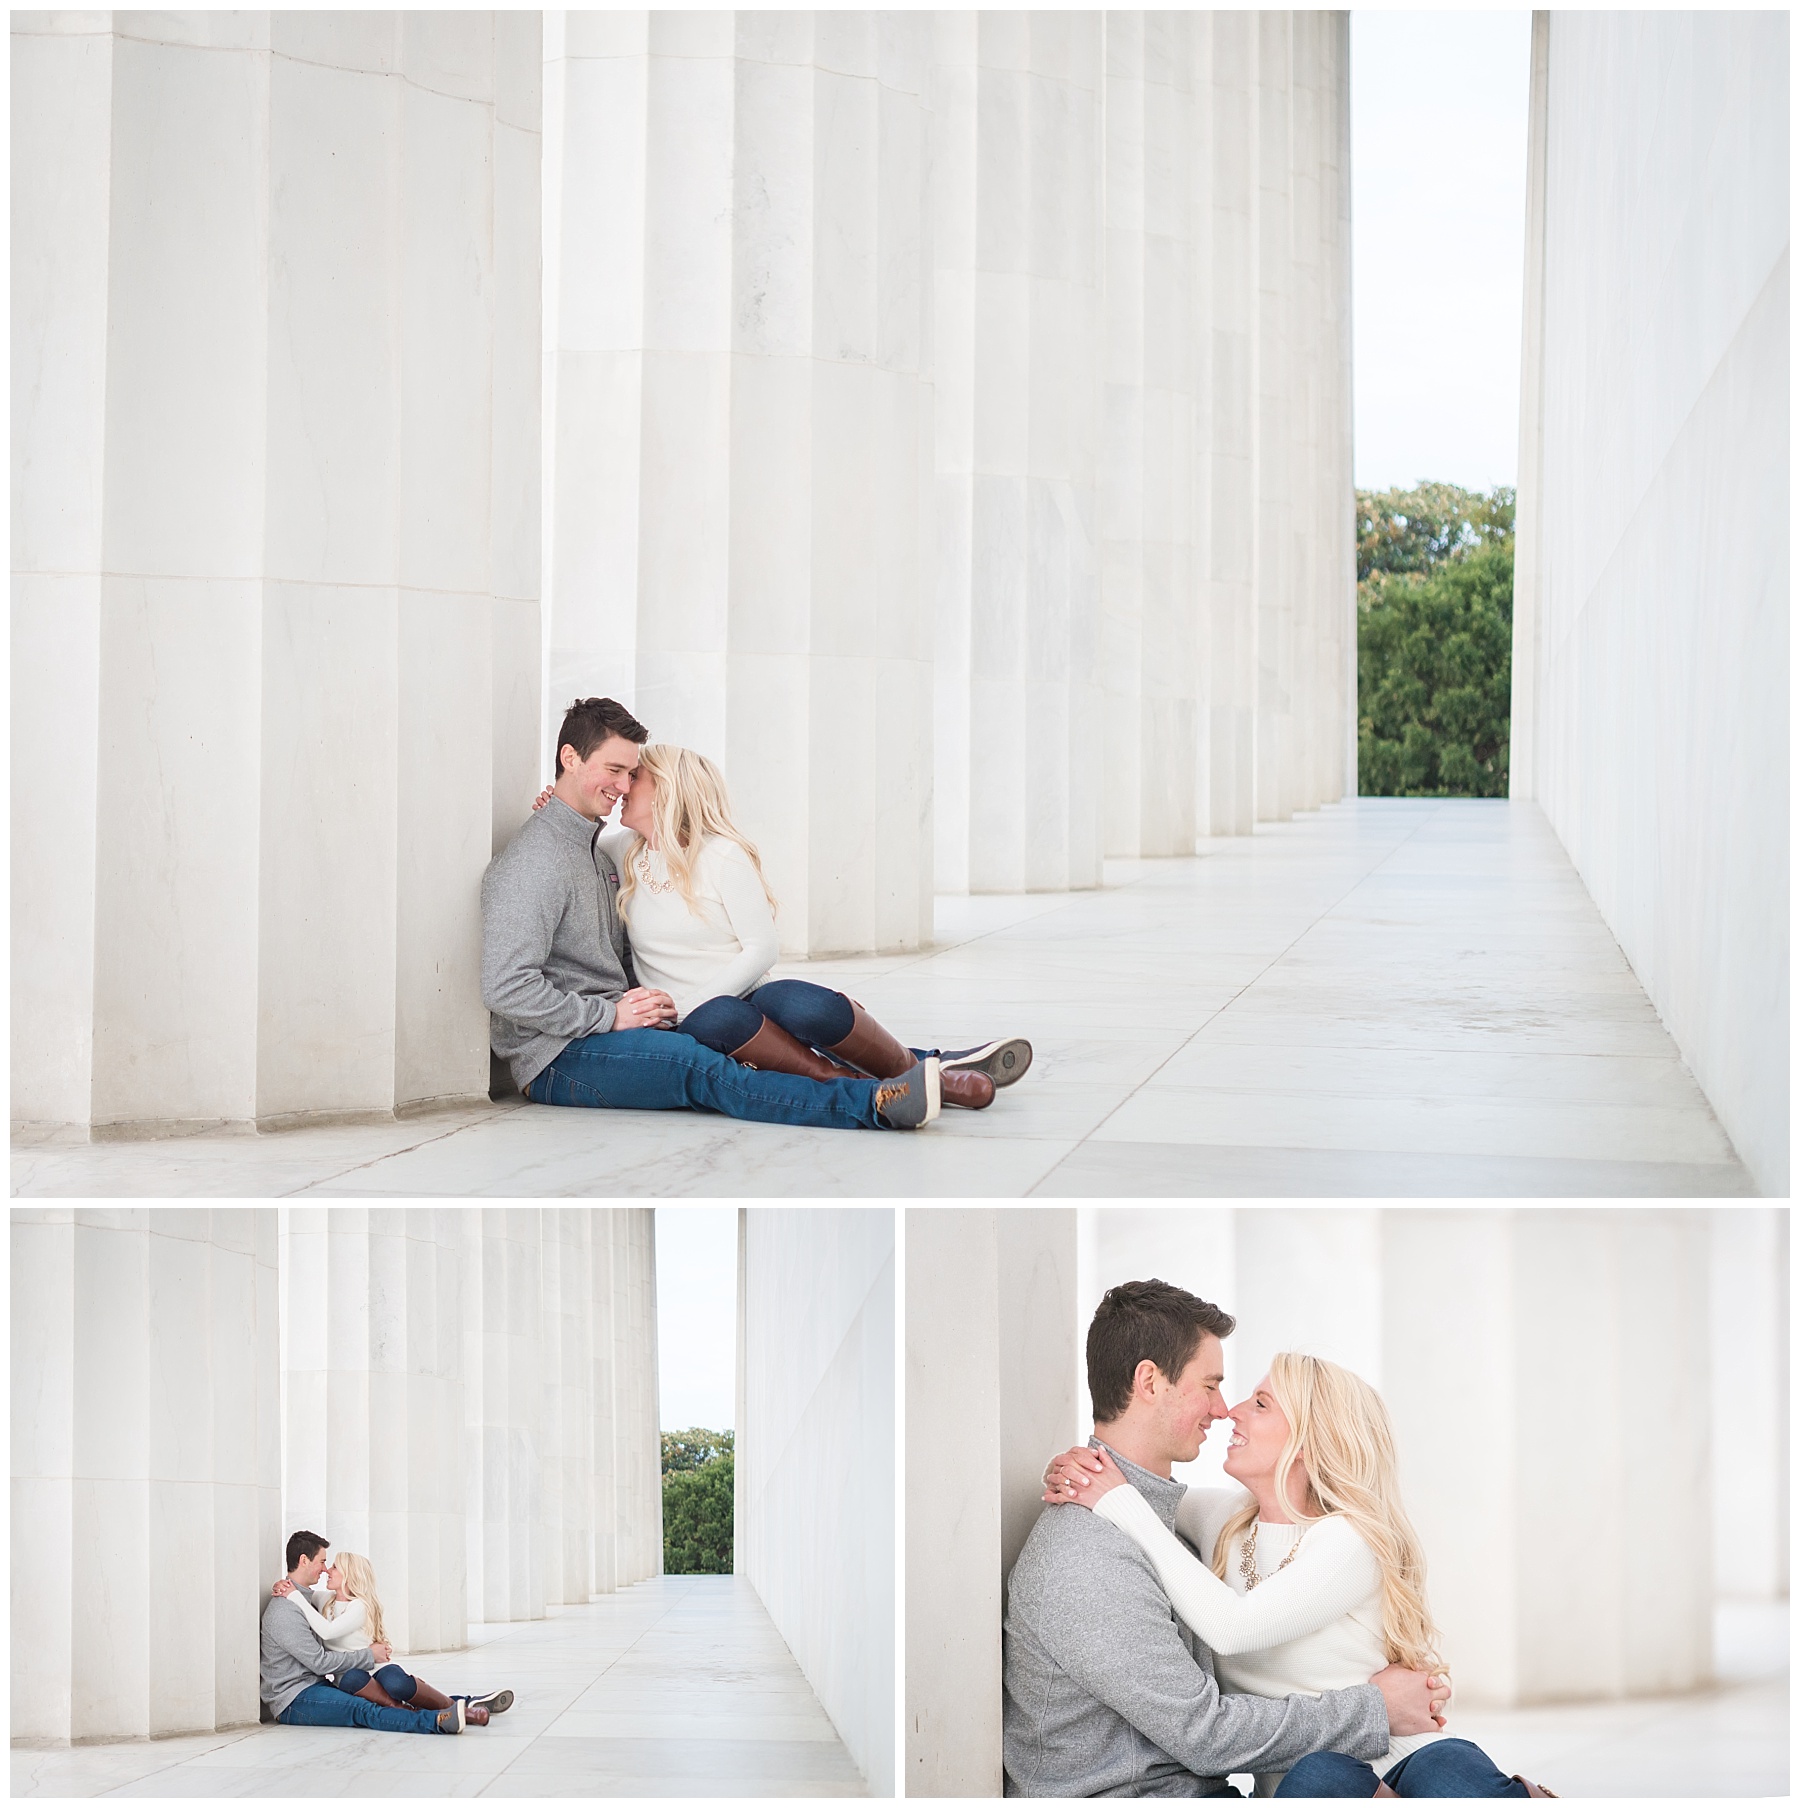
x,y
636,1475
1228,629
568,1409
1017,228
739,381
146,1377
373,1307
276,295
1157,196
504,1400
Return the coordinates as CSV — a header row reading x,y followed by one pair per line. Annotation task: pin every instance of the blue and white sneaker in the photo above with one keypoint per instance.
x,y
1003,1062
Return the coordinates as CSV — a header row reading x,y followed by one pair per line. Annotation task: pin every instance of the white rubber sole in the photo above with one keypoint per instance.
x,y
934,1089
1004,1061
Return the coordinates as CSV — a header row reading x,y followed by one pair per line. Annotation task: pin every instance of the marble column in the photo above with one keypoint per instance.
x,y
1018,337
992,1389
568,1416
146,1388
739,436
275,299
504,1401
1157,340
626,1448
1226,800
373,1452
1565,1501
815,1443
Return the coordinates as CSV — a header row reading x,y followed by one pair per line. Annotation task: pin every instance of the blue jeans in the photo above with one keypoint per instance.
x,y
1444,1767
396,1681
319,1704
665,1070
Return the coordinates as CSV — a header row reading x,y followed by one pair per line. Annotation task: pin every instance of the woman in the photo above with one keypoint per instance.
x,y
1317,1577
353,1620
701,920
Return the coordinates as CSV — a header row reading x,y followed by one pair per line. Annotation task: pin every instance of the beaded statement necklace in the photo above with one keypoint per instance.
x,y
1247,1558
643,873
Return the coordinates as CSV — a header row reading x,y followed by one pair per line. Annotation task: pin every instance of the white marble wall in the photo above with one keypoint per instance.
x,y
991,1392
274,532
816,1457
146,1393
737,450
372,1323
1650,666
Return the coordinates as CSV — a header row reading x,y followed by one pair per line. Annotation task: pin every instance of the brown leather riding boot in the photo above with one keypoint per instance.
x,y
425,1696
773,1050
875,1051
373,1691
872,1048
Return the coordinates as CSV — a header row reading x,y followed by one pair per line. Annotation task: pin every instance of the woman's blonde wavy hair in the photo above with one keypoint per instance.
x,y
1340,1435
359,1583
690,806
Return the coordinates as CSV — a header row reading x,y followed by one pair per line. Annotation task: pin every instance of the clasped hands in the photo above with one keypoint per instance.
x,y
1415,1699
645,1008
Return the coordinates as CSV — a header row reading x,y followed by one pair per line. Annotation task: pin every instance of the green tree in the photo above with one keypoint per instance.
x,y
692,1448
1416,530
1434,677
697,1471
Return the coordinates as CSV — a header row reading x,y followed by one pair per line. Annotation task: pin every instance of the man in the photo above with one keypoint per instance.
x,y
566,1013
295,1659
1107,1693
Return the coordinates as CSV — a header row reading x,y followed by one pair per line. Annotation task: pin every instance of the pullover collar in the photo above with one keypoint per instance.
x,y
569,823
1163,1492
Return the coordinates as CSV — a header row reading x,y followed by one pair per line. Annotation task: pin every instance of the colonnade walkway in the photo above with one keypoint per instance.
x,y
679,1686
1385,997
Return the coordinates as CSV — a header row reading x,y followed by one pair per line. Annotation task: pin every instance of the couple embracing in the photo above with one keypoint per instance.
x,y
629,966
326,1659
1161,1638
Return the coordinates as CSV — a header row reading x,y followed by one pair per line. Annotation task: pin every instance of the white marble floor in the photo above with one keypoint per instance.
x,y
1388,997
680,1686
1726,1741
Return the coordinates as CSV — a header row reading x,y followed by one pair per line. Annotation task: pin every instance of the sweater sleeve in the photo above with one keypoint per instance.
x,y
752,921
521,906
1113,1635
1201,1513
1331,1573
298,1640
302,1598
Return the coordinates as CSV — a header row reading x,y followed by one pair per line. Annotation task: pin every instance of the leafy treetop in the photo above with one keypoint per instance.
x,y
693,1448
1419,529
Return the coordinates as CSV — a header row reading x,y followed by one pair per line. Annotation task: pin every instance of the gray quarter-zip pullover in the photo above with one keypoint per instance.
x,y
553,955
1107,1693
294,1657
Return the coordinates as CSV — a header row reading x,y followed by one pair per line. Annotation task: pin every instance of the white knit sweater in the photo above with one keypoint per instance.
x,y
723,949
1313,1626
344,1630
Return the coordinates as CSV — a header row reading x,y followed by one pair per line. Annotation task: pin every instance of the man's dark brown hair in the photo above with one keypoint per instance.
x,y
590,720
1139,1319
304,1544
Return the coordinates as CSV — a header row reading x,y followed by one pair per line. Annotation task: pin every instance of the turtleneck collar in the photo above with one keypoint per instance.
x,y
1163,1492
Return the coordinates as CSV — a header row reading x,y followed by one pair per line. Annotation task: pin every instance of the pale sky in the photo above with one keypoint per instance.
x,y
696,1315
1438,108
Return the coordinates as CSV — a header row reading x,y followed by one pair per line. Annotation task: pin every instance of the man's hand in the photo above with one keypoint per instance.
x,y
644,1009
382,1652
1415,1699
284,1587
